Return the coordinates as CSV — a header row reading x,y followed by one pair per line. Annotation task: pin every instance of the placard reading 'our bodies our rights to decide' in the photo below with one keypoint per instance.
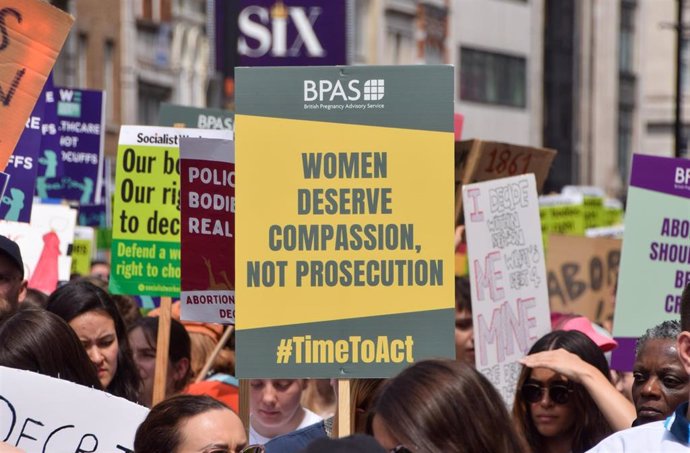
x,y
145,256
344,252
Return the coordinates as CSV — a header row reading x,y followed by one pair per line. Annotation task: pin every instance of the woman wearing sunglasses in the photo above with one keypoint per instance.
x,y
565,401
444,406
192,424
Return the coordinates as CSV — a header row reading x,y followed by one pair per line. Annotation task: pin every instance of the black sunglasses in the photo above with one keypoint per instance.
x,y
558,393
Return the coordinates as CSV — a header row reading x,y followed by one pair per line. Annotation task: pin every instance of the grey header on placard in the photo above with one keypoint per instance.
x,y
408,97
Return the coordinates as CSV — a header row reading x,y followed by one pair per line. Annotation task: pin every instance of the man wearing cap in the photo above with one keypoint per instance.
x,y
12,282
666,436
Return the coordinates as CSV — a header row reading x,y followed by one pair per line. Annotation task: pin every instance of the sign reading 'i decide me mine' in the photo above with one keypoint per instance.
x,y
344,252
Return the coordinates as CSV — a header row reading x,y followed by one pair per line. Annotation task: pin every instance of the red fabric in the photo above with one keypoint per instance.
x,y
45,277
221,391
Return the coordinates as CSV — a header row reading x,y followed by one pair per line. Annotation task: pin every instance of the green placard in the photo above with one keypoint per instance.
x,y
182,116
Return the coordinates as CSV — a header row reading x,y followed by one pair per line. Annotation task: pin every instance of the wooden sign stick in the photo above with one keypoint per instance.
x,y
244,403
343,427
162,348
214,354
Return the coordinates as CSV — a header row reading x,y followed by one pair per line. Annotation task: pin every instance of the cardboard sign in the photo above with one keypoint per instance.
x,y
478,160
582,275
208,230
81,130
146,210
22,168
510,303
50,235
655,264
64,416
183,116
344,256
32,33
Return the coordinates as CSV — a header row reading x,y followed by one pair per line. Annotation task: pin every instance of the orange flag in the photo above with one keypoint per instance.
x,y
32,33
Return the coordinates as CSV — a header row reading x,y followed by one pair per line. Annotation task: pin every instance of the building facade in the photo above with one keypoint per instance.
x,y
498,55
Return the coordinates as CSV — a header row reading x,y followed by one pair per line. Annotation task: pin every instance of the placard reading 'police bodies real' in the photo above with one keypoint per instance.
x,y
145,256
510,302
41,414
344,226
655,260
208,227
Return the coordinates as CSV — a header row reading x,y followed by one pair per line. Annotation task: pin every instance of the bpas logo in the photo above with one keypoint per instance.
x,y
325,90
682,176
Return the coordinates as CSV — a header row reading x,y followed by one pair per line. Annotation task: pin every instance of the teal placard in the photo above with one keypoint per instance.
x,y
182,116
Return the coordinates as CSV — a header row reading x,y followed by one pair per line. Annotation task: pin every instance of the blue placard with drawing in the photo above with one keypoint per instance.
x,y
22,169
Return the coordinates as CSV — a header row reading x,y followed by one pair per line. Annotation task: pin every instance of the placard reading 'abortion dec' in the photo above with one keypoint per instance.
x,y
344,220
510,302
208,230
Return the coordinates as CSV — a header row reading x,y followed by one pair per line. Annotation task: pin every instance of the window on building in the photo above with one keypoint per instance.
x,y
493,78
109,81
360,30
627,36
82,53
627,87
625,131
400,43
150,97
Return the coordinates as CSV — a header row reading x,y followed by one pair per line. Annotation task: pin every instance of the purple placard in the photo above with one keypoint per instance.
x,y
82,132
623,357
22,169
49,162
4,179
292,33
661,174
92,215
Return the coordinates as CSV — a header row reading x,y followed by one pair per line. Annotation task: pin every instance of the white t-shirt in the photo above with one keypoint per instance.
x,y
651,437
309,419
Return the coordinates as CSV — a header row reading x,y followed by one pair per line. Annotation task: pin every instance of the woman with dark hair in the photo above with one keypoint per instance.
x,y
443,406
94,317
39,341
186,423
143,336
565,401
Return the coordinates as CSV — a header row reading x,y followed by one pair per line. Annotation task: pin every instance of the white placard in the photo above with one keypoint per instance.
x,y
42,414
58,218
510,302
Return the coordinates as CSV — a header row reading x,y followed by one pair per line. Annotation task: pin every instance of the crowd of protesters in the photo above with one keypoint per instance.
x,y
567,399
